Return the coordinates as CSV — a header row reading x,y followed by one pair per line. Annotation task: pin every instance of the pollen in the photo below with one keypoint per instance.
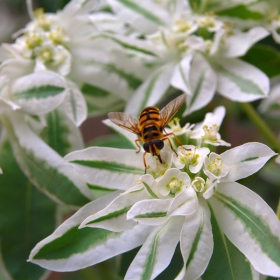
x,y
210,132
42,20
58,36
208,21
33,40
188,157
215,166
181,25
175,185
46,55
175,125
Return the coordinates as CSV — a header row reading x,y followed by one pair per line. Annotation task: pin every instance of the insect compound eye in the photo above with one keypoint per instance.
x,y
146,147
159,143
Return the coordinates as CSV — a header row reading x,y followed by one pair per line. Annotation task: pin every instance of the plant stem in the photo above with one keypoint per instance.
x,y
89,273
261,125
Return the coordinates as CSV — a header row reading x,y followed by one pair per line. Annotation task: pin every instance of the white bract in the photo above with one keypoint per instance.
x,y
178,204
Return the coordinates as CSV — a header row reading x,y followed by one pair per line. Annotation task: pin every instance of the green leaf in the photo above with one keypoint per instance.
x,y
27,216
40,92
227,262
264,57
241,11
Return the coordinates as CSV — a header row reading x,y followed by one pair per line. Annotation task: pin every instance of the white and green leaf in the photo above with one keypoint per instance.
x,y
37,93
113,217
196,242
16,67
152,259
150,211
148,13
245,160
70,248
227,261
250,224
128,44
43,166
108,168
241,81
23,205
61,134
181,75
74,104
151,91
100,101
97,66
203,83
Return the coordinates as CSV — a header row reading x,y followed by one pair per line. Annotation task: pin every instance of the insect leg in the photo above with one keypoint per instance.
x,y
176,138
144,160
170,144
136,142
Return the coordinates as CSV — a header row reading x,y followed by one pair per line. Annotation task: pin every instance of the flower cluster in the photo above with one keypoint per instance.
x,y
177,201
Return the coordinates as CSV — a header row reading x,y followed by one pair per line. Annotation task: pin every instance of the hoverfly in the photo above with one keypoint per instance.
x,y
150,126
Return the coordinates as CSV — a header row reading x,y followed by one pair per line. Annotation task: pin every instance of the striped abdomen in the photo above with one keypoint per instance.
x,y
150,124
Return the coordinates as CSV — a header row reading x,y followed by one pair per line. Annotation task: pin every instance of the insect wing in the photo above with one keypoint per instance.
x,y
168,112
125,121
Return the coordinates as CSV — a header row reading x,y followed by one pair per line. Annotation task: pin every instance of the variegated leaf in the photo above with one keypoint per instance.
x,y
250,224
241,81
108,168
37,93
43,166
70,248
